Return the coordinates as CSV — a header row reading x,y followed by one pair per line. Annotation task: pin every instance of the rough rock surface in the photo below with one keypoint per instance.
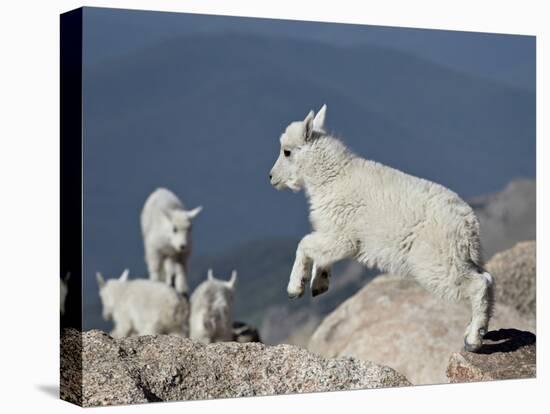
x,y
395,322
514,271
169,368
70,370
506,354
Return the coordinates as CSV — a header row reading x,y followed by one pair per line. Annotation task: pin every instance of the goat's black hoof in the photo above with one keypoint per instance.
x,y
318,291
471,347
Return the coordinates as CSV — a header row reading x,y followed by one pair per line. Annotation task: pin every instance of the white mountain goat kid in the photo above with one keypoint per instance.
x,y
166,230
380,217
143,307
212,310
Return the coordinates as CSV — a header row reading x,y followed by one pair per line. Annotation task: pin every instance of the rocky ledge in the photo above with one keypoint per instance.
x,y
515,273
506,354
170,368
395,322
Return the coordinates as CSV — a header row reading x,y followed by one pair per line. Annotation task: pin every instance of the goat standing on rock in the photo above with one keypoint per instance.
x,y
380,217
166,229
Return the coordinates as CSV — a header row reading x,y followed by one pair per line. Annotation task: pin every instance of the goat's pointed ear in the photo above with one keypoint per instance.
x,y
100,280
124,276
210,274
194,213
233,281
308,125
319,120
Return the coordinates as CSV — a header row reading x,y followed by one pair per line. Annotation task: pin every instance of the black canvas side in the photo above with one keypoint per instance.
x,y
71,202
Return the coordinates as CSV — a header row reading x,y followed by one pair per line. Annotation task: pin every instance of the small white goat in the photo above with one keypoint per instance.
x,y
166,230
380,216
63,291
143,307
212,309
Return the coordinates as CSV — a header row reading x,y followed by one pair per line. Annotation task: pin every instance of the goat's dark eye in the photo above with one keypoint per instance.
x,y
175,229
287,153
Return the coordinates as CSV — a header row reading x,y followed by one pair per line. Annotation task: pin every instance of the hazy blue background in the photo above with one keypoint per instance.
x,y
196,104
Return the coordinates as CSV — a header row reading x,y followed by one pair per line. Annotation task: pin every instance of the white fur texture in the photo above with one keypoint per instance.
x,y
381,217
212,310
166,230
143,307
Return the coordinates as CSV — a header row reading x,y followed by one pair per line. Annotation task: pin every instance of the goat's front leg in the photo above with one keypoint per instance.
x,y
169,269
181,279
323,249
301,273
154,264
122,328
320,279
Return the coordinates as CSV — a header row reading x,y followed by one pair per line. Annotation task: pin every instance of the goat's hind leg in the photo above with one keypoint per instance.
x,y
479,290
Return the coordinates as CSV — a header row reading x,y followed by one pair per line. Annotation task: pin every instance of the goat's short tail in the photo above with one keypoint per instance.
x,y
488,277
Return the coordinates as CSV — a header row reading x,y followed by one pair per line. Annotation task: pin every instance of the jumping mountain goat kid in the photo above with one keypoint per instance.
x,y
380,217
212,309
143,307
166,230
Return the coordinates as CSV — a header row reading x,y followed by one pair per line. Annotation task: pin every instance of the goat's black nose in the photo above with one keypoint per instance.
x,y
270,176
